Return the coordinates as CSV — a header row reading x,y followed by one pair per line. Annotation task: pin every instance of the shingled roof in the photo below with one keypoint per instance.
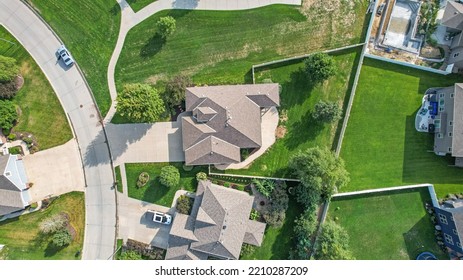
x,y
218,225
13,194
453,15
224,119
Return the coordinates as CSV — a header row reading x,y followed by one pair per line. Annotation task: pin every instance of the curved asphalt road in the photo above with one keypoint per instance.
x,y
75,97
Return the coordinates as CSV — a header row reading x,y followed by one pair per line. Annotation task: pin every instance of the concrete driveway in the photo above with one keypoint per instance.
x,y
55,171
157,142
133,223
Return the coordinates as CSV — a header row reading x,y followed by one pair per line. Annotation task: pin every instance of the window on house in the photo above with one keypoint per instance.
x,y
450,123
457,54
439,135
458,244
443,219
450,149
450,134
451,218
452,95
441,95
455,232
448,238
441,109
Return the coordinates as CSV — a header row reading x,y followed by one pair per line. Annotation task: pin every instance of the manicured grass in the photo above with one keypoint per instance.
x,y
117,170
89,29
381,146
297,99
41,112
219,47
24,241
137,5
154,192
278,241
387,226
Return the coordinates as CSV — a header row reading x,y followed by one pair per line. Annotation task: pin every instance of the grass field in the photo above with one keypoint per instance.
x,y
278,241
89,29
381,146
297,99
387,226
154,192
24,242
117,171
41,111
219,47
137,5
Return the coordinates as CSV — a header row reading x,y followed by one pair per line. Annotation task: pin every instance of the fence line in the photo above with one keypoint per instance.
x,y
251,177
406,64
384,190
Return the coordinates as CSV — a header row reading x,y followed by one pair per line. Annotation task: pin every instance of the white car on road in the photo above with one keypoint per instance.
x,y
64,54
159,217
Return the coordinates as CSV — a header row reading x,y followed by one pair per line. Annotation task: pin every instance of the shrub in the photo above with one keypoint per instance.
x,y
247,249
130,255
8,114
62,238
304,228
143,179
174,92
166,26
319,67
8,89
274,218
254,215
265,187
34,205
184,204
11,136
327,111
54,223
8,69
16,150
200,176
170,176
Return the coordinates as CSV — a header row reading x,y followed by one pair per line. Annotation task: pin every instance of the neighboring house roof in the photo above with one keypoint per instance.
x,y
224,119
457,143
13,193
453,15
217,226
455,209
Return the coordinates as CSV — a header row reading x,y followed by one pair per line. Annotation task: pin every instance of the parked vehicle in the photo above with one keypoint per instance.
x,y
64,54
159,217
380,9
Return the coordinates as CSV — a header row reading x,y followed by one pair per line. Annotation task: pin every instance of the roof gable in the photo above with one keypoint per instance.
x,y
453,15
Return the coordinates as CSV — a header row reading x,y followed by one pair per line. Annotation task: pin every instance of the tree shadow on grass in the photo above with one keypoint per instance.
x,y
420,238
302,131
153,46
115,9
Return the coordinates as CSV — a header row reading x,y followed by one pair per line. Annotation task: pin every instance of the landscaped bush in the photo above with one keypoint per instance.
x,y
143,179
174,92
170,176
8,89
200,176
304,228
166,26
16,150
327,111
130,255
11,136
54,223
319,67
275,212
8,69
247,249
265,187
62,238
8,114
145,250
254,215
184,204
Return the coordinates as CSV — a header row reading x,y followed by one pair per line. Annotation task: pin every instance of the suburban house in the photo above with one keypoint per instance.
x,y
450,216
221,121
440,114
453,21
13,189
216,228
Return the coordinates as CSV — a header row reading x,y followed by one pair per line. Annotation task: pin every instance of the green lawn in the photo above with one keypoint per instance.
x,y
137,5
381,146
117,171
154,192
278,241
219,47
297,99
41,111
24,241
89,29
387,226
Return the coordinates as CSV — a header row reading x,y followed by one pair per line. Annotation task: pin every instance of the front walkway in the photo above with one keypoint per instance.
x,y
55,171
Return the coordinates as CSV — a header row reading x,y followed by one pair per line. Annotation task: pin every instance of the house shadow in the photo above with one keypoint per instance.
x,y
420,238
153,46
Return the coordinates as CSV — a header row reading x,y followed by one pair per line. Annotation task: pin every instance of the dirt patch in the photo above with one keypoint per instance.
x,y
280,132
19,82
430,52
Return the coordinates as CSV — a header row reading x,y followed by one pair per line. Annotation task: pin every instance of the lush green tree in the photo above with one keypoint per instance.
x,y
166,26
333,243
321,174
140,103
130,255
327,111
62,238
319,67
265,187
276,213
170,176
304,228
174,92
201,176
274,218
8,69
184,204
247,249
54,223
8,114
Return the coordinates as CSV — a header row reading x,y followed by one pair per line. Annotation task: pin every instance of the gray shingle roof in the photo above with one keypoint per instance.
x,y
212,150
11,196
220,221
453,15
229,113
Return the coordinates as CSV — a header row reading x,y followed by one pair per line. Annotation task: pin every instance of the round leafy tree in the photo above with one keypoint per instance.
x,y
8,69
201,176
174,92
166,26
140,103
62,238
327,111
8,114
319,67
170,176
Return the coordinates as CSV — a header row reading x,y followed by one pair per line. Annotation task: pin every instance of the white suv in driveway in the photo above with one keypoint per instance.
x,y
159,217
64,54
